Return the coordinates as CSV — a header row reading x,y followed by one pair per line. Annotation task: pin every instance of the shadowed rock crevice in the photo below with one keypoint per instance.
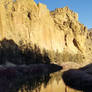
x,y
66,40
29,15
76,44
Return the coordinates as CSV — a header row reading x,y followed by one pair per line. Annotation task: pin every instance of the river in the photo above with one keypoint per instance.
x,y
45,83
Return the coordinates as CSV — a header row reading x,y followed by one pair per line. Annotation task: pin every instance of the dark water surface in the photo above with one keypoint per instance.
x,y
25,78
33,78
22,83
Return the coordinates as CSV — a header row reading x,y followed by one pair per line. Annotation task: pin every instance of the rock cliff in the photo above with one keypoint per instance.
x,y
27,21
89,45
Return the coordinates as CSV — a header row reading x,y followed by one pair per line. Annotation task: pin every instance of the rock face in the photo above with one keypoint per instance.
x,y
89,35
80,79
26,21
89,45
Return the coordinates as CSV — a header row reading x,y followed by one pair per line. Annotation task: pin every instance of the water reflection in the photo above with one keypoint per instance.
x,y
32,78
21,83
25,78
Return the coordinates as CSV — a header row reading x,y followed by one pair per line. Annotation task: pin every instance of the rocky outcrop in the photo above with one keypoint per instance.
x,y
74,32
25,21
88,45
89,35
80,79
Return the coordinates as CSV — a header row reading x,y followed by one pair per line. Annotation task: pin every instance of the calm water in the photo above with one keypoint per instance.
x,y
31,83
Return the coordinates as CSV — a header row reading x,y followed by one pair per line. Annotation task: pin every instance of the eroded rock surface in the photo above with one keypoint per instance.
x,y
25,21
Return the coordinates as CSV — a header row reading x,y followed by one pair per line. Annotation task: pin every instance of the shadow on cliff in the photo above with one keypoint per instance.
x,y
80,79
11,52
29,70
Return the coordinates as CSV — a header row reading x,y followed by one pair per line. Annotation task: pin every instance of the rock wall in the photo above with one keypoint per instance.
x,y
27,21
89,46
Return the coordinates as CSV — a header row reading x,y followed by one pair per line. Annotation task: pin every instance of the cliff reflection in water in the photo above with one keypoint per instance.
x,y
22,83
15,78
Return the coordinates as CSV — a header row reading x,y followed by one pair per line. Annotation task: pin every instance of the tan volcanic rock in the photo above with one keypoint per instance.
x,y
24,20
74,32
89,35
89,46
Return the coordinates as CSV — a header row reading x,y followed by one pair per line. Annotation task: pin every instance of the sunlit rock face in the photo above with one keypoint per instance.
x,y
74,32
89,35
24,20
89,46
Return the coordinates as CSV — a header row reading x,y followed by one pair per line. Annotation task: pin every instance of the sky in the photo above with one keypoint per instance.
x,y
82,7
